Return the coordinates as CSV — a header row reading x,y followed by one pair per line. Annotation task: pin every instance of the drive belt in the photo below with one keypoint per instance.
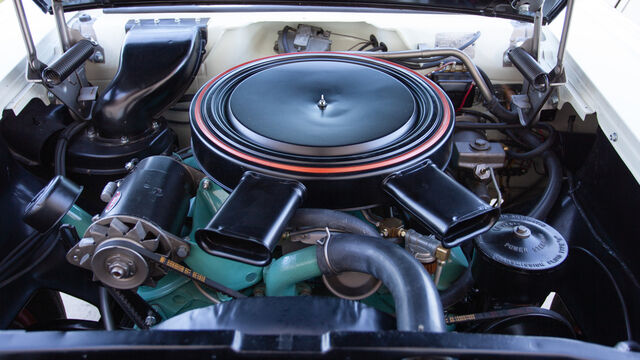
x,y
181,269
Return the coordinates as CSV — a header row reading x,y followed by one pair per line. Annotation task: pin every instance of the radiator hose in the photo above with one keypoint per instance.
x,y
418,306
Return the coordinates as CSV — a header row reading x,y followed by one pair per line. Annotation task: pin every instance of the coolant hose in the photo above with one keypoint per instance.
x,y
457,290
332,219
418,306
554,184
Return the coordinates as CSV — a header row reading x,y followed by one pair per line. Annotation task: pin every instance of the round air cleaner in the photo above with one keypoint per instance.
x,y
352,131
339,123
515,259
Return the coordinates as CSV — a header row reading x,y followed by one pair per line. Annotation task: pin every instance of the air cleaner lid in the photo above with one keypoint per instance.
x,y
322,107
523,243
338,123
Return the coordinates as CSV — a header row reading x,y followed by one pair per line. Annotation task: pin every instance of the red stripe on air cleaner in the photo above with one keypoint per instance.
x,y
327,170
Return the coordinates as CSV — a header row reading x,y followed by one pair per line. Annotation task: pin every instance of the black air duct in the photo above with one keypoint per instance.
x,y
249,224
450,211
157,64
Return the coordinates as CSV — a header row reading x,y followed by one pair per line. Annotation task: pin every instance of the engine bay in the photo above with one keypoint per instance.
x,y
269,174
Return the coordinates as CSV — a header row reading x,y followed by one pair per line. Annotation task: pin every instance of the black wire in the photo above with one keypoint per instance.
x,y
105,309
19,252
364,46
479,114
625,311
486,126
61,146
32,265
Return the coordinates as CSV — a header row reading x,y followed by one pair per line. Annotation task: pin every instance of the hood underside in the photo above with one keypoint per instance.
x,y
522,10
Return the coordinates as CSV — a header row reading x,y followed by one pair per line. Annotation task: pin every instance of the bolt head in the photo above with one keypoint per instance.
x,y
522,231
524,9
150,320
182,251
480,144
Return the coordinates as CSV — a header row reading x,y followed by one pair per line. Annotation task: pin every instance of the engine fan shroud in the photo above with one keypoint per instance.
x,y
380,118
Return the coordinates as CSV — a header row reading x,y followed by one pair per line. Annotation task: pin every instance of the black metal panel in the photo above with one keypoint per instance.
x,y
302,315
30,134
17,188
234,344
598,217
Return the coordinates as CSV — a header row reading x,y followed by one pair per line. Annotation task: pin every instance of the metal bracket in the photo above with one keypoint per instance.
x,y
76,93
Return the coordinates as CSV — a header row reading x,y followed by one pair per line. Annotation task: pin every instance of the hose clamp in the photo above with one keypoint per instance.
x,y
324,242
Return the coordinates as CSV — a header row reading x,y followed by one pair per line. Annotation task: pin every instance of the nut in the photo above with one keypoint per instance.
x,y
442,254
481,172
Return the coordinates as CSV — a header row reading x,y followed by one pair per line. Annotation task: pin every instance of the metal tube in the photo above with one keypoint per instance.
x,y
563,37
462,56
281,276
61,24
33,62
537,30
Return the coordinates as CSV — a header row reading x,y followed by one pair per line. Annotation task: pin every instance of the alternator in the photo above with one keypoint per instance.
x,y
147,210
118,266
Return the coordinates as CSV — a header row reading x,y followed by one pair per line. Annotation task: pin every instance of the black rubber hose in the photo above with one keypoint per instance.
x,y
60,155
332,219
538,150
105,309
457,290
554,184
494,105
418,306
285,39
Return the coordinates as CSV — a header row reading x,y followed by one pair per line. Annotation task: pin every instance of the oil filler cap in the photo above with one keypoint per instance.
x,y
523,243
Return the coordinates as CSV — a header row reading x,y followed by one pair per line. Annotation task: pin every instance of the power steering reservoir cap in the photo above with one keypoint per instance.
x,y
523,243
